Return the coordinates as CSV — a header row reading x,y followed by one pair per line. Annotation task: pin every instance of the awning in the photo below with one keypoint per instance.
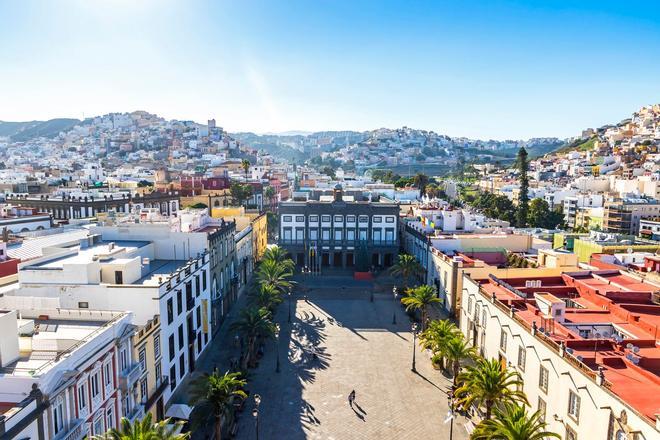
x,y
178,411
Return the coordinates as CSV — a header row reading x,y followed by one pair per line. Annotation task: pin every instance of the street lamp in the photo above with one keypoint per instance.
x,y
277,347
414,332
394,309
289,295
451,414
255,414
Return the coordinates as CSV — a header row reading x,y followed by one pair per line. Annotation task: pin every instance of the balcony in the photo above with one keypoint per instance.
x,y
129,376
136,413
76,432
338,243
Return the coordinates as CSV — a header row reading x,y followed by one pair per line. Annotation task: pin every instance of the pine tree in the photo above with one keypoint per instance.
x,y
523,197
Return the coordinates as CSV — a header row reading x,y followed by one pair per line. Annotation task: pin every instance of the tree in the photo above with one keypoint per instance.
x,y
278,255
523,196
276,274
266,296
269,194
245,164
540,215
432,190
240,193
329,171
436,335
145,429
421,180
420,298
456,350
512,422
488,382
144,184
253,324
406,267
215,394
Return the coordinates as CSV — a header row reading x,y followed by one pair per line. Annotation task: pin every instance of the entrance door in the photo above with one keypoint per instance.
x,y
349,259
337,259
375,260
325,259
160,410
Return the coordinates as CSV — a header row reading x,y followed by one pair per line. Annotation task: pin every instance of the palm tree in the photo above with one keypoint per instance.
x,y
279,255
406,267
421,180
512,422
420,298
437,333
269,193
253,324
145,429
456,350
488,382
245,164
267,296
215,394
274,273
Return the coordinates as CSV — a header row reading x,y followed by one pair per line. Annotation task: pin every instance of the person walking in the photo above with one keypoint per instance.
x,y
351,398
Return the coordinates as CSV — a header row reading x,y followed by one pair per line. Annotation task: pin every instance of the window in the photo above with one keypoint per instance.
x,y
197,291
170,311
389,235
83,305
82,397
350,218
94,380
543,379
339,218
119,277
378,219
156,346
363,219
58,415
313,234
158,372
313,218
143,389
377,235
350,234
300,218
522,357
110,417
142,356
179,302
107,373
484,318
503,337
123,359
172,377
389,219
469,304
477,307
573,405
325,234
338,234
171,346
287,218
541,407
180,336
204,280
98,426
363,234
182,366
199,317
325,218
300,234
570,433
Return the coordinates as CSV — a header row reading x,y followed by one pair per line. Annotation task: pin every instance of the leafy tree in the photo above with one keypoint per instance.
x,y
329,171
436,335
523,197
456,350
240,193
145,429
407,266
272,221
432,190
144,183
215,394
488,382
420,298
513,422
402,182
245,164
540,215
199,206
421,180
253,324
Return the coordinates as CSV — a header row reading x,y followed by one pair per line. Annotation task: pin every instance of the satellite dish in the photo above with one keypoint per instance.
x,y
579,358
629,357
635,360
542,330
629,346
569,350
635,349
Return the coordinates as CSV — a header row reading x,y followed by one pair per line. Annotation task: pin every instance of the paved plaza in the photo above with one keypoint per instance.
x,y
338,341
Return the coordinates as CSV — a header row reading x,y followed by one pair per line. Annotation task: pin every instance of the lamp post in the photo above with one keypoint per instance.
x,y
451,415
414,332
394,308
255,414
289,295
277,347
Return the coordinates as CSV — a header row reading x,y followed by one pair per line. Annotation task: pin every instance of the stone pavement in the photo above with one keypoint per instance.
x,y
357,348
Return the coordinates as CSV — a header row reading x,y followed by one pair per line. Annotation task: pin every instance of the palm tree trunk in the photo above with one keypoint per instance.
x,y
489,407
218,427
456,369
423,318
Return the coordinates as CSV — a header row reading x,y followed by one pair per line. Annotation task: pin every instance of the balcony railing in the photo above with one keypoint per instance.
x,y
129,376
302,242
136,413
76,432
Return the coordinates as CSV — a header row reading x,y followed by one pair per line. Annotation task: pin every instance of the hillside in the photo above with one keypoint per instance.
x,y
577,145
23,131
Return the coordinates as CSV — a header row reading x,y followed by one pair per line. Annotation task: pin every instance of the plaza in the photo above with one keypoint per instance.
x,y
340,340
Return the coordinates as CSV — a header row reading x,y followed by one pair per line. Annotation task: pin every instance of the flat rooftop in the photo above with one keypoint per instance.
x,y
610,321
86,255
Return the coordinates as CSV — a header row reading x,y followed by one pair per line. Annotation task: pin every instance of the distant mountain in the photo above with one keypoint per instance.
x,y
24,131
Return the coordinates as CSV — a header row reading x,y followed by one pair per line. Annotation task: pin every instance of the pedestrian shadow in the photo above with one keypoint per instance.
x,y
358,414
359,408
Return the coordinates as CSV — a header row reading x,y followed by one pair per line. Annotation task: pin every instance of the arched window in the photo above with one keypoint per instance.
x,y
216,203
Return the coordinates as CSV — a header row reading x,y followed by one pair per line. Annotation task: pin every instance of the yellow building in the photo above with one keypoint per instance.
x,y
258,221
585,247
151,385
212,199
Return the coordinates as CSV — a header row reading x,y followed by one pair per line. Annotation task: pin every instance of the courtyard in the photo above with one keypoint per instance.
x,y
340,340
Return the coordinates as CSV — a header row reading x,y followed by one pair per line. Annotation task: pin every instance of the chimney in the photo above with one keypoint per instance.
x,y
338,193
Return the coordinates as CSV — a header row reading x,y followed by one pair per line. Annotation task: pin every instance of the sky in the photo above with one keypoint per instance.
x,y
485,69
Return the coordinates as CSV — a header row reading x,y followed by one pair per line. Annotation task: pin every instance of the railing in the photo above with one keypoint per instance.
x,y
136,413
77,432
301,242
129,376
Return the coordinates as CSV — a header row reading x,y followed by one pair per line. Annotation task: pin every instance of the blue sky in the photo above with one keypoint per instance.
x,y
487,69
